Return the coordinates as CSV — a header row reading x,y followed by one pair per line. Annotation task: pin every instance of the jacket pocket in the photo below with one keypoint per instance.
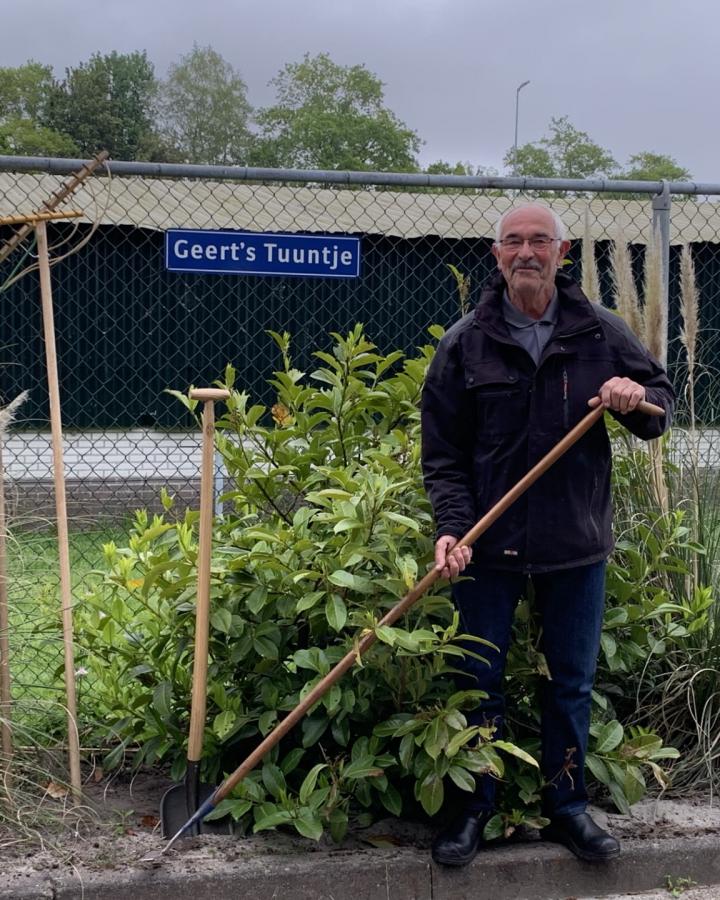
x,y
497,398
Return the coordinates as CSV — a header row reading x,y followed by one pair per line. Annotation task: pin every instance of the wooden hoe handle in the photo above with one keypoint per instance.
x,y
369,637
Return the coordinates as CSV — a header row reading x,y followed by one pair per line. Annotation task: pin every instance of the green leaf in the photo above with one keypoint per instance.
x,y
338,825
162,700
494,829
431,794
513,750
615,617
407,751
386,634
265,647
598,768
266,721
609,737
224,723
364,767
273,779
290,762
391,800
402,520
460,739
230,806
221,620
308,825
436,737
307,601
308,785
336,612
619,799
609,645
342,578
345,579
634,786
462,778
313,729
272,820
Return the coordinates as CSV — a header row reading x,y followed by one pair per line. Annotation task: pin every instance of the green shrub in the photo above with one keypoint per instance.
x,y
329,528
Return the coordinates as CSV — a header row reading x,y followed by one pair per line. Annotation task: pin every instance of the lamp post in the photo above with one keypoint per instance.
x,y
517,109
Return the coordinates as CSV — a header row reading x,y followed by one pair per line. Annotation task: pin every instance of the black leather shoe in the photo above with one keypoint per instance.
x,y
581,835
457,844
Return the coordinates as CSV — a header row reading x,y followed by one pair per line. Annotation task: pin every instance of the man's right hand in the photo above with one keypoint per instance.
x,y
450,559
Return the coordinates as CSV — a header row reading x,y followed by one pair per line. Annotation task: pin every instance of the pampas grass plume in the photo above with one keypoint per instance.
x,y
655,312
624,291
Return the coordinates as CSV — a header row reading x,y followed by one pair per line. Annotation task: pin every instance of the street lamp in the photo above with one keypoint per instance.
x,y
517,108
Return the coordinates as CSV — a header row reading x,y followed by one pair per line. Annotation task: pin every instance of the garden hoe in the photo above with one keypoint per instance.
x,y
367,638
184,800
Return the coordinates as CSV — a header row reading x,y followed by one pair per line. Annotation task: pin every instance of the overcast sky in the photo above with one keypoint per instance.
x,y
635,74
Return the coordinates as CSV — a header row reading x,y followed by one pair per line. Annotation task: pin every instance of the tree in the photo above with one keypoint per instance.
x,y
23,137
531,161
107,103
204,109
24,93
649,166
565,152
442,167
332,117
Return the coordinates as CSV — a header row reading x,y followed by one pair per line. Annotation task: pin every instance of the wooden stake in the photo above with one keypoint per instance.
x,y
60,507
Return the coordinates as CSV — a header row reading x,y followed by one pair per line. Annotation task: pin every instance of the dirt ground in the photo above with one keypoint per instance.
x,y
118,825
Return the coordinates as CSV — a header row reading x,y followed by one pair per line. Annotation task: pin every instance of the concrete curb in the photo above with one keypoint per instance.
x,y
531,871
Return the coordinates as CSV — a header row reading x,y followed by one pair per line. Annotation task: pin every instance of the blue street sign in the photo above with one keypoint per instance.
x,y
250,253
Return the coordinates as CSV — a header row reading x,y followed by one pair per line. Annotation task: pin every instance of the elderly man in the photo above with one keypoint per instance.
x,y
509,380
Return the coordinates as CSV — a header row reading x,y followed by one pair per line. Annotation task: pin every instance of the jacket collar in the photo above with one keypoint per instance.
x,y
576,312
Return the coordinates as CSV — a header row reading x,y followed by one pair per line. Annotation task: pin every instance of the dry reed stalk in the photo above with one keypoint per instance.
x,y
655,334
624,291
689,310
590,277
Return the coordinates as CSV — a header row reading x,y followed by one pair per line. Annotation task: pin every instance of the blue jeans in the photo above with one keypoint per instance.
x,y
570,603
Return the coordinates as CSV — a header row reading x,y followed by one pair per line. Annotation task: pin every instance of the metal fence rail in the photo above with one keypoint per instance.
x,y
127,329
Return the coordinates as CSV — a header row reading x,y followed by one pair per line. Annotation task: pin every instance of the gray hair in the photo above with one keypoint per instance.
x,y
559,224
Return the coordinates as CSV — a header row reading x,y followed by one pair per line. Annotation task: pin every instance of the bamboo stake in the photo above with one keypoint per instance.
x,y
60,507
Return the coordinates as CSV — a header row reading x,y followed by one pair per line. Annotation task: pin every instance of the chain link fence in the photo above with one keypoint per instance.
x,y
128,329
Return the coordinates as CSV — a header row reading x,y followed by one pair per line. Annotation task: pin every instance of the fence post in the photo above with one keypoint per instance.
x,y
661,205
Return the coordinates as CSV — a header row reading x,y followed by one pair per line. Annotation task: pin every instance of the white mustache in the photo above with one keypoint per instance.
x,y
536,267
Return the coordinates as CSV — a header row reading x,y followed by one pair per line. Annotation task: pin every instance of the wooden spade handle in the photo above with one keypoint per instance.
x,y
202,612
368,637
209,394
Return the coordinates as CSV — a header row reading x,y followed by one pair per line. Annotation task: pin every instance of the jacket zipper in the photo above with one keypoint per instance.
x,y
566,413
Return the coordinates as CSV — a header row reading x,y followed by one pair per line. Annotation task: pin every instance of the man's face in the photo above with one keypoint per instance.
x,y
528,267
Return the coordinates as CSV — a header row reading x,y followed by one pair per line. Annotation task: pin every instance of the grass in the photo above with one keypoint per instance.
x,y
36,643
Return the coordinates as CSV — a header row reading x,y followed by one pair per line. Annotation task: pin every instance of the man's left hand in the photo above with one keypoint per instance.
x,y
619,394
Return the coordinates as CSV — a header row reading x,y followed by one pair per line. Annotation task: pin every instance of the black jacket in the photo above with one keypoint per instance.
x,y
489,414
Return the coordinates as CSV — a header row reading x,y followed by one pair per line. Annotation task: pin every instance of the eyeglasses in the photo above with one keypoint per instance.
x,y
536,243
